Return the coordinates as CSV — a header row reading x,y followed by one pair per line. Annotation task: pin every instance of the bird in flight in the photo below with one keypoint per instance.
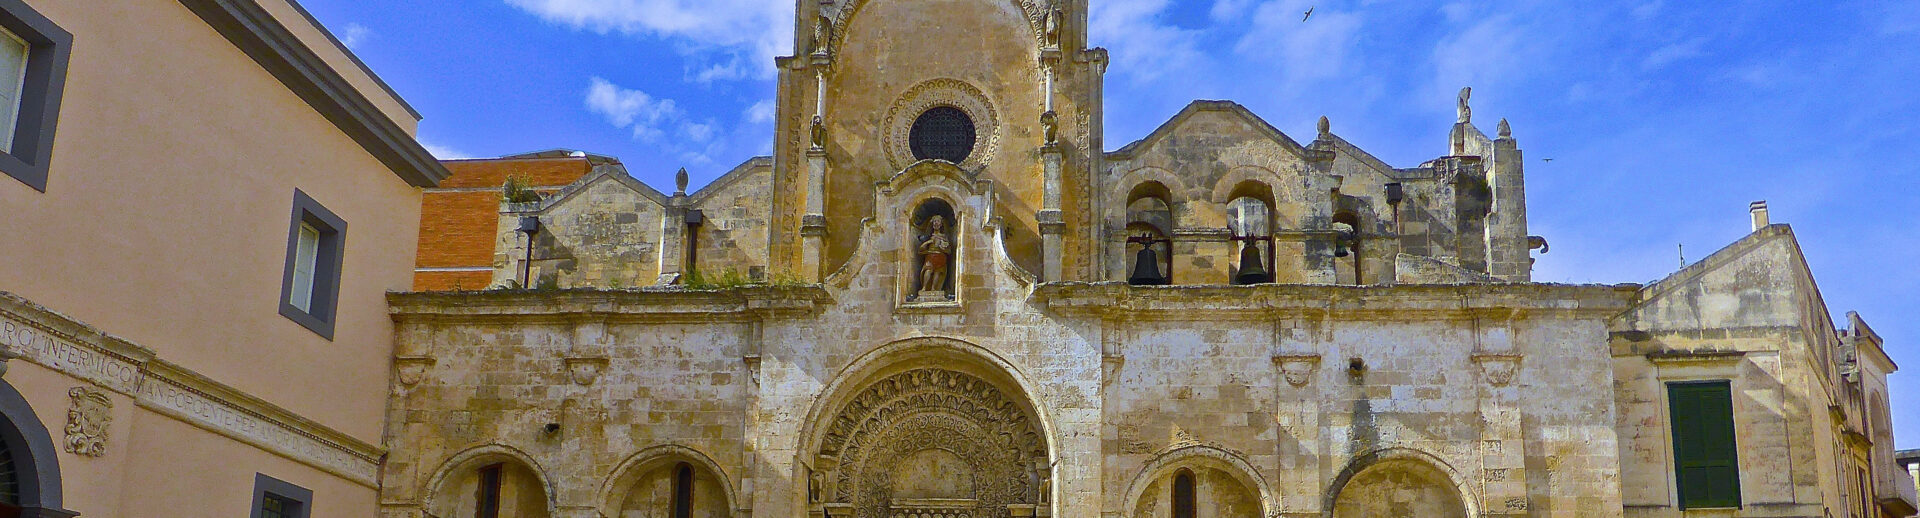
x,y
1548,160
1309,14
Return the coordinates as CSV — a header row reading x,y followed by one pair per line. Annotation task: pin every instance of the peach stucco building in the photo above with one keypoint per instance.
x,y
195,264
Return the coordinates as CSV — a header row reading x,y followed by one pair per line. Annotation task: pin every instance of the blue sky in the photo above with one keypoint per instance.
x,y
1663,118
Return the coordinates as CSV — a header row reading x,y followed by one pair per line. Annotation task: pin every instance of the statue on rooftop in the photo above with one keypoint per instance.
x,y
1466,112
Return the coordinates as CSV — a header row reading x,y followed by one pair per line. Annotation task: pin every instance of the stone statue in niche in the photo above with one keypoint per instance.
x,y
818,133
822,34
1050,126
1052,28
87,420
936,252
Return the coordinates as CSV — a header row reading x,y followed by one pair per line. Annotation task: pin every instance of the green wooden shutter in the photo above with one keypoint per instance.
x,y
1705,452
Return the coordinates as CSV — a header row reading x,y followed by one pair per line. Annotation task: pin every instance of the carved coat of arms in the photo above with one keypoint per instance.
x,y
87,420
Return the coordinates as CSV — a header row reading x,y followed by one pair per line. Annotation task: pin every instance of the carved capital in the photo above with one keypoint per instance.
x,y
412,369
88,417
1297,368
585,369
1498,369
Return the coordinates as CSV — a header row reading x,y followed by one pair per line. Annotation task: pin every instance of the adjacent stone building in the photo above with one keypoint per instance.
x,y
194,266
940,297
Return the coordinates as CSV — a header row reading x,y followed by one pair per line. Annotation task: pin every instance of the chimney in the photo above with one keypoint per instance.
x,y
1759,211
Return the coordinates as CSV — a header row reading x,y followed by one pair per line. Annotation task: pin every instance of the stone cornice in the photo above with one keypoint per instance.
x,y
655,305
257,33
1404,302
63,344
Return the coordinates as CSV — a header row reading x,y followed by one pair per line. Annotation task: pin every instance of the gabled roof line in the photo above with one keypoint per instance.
x,y
614,172
1167,128
738,173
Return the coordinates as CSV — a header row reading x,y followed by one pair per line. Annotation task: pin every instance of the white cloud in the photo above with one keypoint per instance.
x,y
624,108
1486,54
720,30
1315,48
354,34
1142,47
761,112
1648,10
1669,54
444,152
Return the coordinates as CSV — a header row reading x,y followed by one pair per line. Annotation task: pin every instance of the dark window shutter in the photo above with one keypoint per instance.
x,y
1705,451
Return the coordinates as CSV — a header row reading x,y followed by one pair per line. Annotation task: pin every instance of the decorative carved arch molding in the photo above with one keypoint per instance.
x,y
927,426
934,93
1399,482
843,11
1167,463
35,459
472,459
614,492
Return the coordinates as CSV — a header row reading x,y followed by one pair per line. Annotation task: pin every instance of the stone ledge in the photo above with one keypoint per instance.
x,y
1431,301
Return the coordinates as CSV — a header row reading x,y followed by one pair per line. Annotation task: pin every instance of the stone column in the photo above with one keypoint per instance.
x,y
673,240
1502,470
1053,226
813,225
1297,417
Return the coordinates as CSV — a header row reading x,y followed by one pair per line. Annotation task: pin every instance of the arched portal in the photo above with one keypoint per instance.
x,y
1398,484
930,428
29,465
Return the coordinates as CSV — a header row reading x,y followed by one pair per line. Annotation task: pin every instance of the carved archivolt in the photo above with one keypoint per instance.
x,y
933,408
935,93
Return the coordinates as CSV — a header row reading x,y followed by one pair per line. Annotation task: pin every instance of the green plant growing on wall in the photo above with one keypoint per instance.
x,y
517,190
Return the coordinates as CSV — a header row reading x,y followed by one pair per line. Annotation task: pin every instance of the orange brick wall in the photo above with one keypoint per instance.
x,y
458,221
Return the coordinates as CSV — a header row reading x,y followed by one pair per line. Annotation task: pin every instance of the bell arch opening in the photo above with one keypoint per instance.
x,y
925,428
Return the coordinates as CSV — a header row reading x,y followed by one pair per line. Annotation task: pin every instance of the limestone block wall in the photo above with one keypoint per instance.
x,y
738,209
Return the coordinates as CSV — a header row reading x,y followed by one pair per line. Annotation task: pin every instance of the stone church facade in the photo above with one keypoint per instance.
x,y
941,298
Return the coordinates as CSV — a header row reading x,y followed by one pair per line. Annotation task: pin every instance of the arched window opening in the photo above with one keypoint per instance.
x,y
1250,221
683,491
1346,249
1183,498
1148,235
9,481
487,497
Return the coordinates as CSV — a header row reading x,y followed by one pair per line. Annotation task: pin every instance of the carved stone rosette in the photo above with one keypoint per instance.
x,y
88,418
935,93
933,409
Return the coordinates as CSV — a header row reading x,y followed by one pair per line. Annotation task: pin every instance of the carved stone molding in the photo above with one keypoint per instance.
x,y
935,93
585,369
932,409
88,418
412,369
1498,369
841,12
1297,368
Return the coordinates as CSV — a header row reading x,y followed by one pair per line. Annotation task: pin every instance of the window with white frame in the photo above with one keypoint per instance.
x,y
33,73
310,287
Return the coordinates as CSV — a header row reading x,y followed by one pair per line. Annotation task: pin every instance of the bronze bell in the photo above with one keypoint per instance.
x,y
1146,268
1251,272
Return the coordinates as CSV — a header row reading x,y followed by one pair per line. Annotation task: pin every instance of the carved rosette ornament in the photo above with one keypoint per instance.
x,y
934,409
936,93
88,417
1498,369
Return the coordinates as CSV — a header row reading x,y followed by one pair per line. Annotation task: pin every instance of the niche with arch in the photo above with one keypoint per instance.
x,y
1251,225
1396,488
673,489
1202,491
1347,261
1149,234
935,250
491,488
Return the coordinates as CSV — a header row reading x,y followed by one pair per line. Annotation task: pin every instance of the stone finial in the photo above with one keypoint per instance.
x,y
1506,131
680,181
1466,112
1326,126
